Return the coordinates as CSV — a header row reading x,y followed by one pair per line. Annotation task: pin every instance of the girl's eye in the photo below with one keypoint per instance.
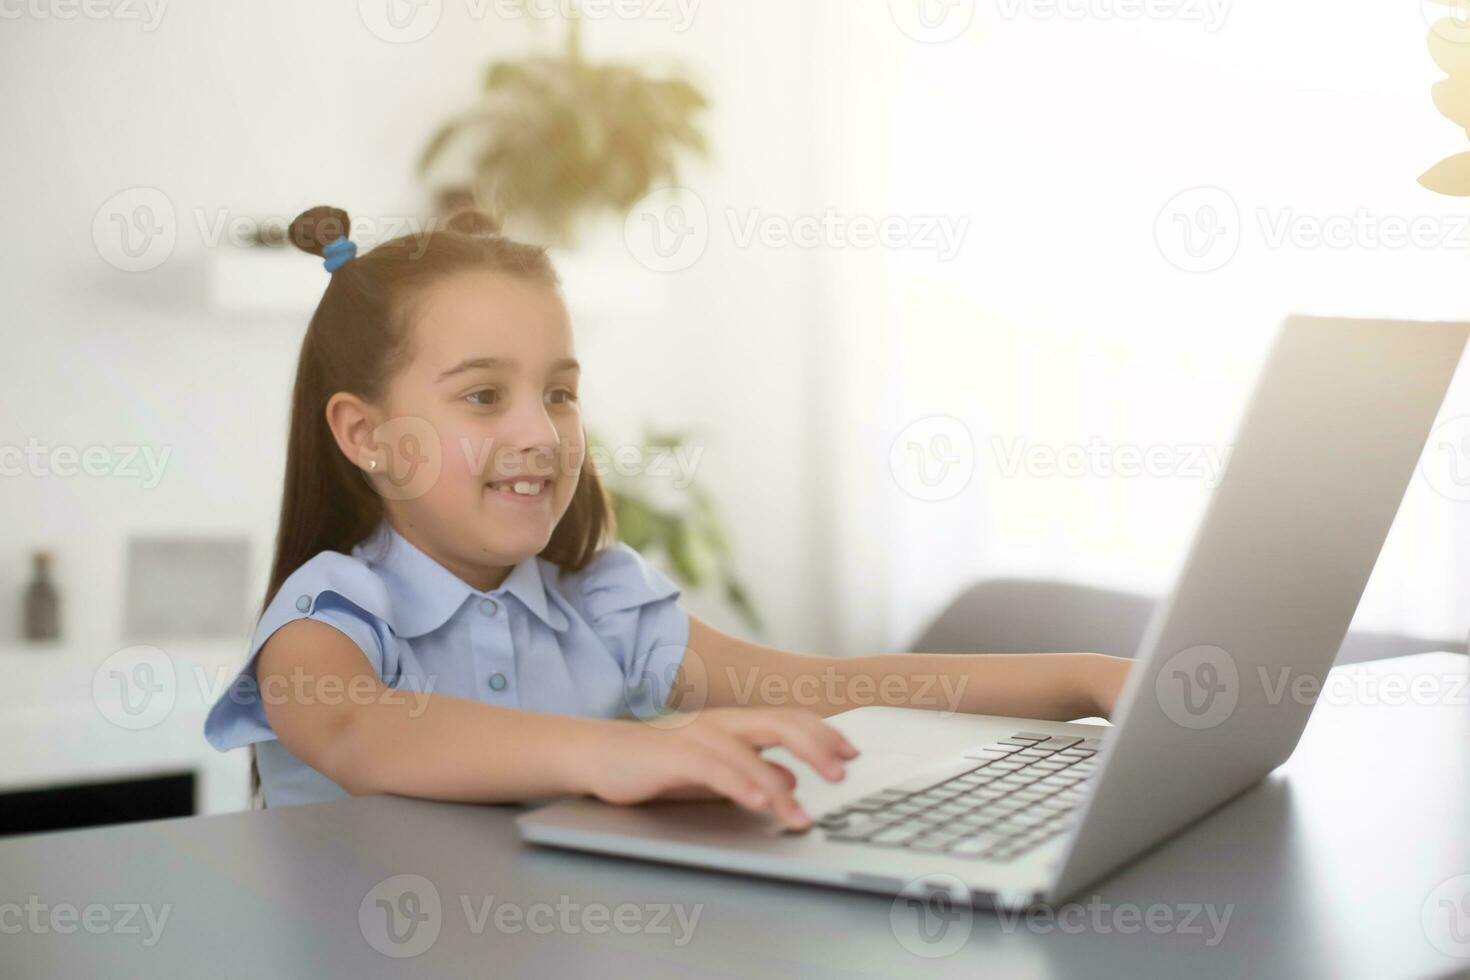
x,y
561,396
485,396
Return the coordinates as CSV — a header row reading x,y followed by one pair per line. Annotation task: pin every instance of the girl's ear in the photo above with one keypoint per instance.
x,y
353,423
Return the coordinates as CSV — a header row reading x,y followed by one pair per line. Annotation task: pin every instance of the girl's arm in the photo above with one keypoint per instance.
x,y
327,706
725,670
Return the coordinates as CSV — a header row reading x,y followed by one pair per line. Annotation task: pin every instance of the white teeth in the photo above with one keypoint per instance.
x,y
528,488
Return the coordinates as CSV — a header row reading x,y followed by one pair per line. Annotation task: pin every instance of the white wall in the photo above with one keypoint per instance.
x,y
262,109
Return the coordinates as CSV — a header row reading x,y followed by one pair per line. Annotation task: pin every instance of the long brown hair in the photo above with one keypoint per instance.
x,y
358,337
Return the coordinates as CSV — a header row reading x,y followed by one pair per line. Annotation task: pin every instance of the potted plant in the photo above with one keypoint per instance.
x,y
557,138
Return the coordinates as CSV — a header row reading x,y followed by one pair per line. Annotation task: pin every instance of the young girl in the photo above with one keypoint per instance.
x,y
446,617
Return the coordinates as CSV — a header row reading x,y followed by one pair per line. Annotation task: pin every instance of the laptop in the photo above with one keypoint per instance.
x,y
1011,812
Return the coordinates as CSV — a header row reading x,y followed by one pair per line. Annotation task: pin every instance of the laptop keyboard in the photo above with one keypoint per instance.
x,y
996,801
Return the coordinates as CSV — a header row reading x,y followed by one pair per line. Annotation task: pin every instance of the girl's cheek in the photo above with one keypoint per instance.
x,y
468,454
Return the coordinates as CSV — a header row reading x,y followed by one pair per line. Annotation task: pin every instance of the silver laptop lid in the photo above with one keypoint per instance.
x,y
1323,455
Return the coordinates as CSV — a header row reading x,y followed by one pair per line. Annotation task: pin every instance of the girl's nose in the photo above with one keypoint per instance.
x,y
529,431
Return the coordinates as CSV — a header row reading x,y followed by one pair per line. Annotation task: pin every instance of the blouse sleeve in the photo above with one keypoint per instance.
x,y
633,607
331,588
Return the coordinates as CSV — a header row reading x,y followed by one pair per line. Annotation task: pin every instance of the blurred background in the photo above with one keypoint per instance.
x,y
878,301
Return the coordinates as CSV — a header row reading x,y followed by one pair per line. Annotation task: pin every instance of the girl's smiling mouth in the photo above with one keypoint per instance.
x,y
521,489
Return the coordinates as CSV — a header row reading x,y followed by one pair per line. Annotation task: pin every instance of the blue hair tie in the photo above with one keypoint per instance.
x,y
337,253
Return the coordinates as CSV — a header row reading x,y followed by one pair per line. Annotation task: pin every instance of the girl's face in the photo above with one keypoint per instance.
x,y
492,390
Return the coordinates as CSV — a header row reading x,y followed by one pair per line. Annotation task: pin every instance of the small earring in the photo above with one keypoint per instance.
x,y
373,464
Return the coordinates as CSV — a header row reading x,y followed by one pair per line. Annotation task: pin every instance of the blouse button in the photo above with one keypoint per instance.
x,y
488,607
303,603
497,682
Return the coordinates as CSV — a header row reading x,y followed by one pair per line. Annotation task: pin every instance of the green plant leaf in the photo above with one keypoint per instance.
x,y
636,523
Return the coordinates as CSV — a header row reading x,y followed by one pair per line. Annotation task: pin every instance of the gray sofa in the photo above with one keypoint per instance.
x,y
1021,616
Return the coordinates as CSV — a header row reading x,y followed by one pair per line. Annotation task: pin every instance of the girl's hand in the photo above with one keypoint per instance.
x,y
1104,681
717,751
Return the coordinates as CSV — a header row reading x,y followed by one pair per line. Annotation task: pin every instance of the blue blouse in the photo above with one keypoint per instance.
x,y
602,642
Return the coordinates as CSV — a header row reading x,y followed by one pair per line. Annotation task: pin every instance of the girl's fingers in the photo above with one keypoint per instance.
x,y
787,776
690,793
817,744
707,768
737,754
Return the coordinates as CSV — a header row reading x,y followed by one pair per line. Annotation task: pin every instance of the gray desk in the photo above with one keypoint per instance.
x,y
1329,869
